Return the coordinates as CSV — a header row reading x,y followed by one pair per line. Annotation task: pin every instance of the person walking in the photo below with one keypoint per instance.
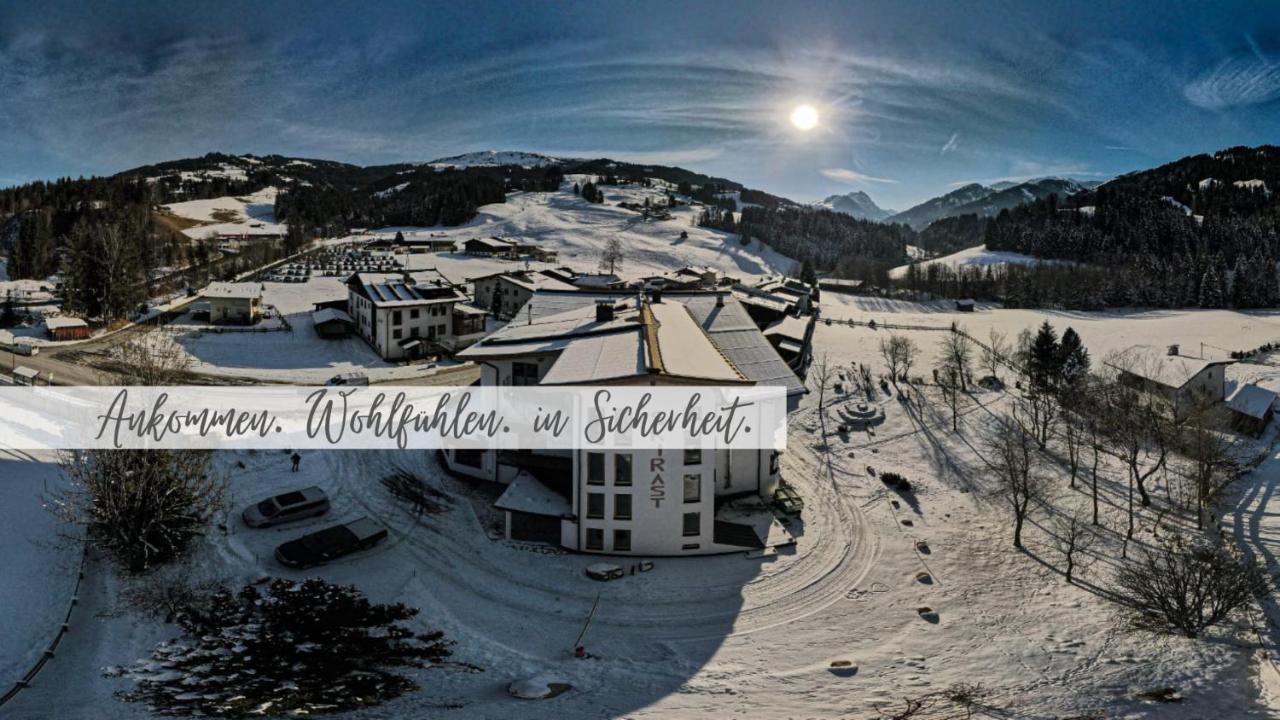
x,y
296,458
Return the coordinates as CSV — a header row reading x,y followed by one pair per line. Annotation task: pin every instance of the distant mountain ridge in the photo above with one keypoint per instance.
x,y
987,200
857,204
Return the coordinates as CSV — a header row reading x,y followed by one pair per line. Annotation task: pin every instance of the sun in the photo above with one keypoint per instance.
x,y
804,117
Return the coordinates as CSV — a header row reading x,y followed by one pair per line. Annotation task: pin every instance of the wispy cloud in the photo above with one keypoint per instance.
x,y
951,144
1246,78
853,177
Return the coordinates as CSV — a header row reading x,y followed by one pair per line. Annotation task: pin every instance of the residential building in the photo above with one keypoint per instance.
x,y
236,303
489,247
633,502
405,315
505,293
1188,383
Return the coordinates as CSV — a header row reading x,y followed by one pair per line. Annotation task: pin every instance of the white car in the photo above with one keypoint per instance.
x,y
287,507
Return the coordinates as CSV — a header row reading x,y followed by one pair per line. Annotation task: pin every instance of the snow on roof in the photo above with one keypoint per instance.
x,y
240,291
23,371
320,317
465,309
551,320
495,243
1157,365
536,282
1251,400
685,348
6,337
599,357
419,287
765,301
528,495
791,327
55,323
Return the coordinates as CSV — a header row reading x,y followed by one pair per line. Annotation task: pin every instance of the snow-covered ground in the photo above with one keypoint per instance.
x,y
1220,331
39,564
978,256
249,215
732,636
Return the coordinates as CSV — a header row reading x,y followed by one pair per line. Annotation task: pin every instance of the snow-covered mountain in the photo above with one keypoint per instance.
x,y
987,200
857,204
496,158
943,206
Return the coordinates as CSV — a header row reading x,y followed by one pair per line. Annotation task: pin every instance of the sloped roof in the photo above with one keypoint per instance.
x,y
527,494
56,323
320,317
236,291
1155,364
1251,400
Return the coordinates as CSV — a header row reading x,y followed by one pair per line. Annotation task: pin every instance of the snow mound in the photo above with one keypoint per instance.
x,y
538,687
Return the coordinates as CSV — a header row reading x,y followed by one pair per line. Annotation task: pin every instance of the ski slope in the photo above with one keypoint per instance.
x,y
972,257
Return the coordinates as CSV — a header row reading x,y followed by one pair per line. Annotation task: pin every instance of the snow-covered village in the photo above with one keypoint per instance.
x,y
1027,437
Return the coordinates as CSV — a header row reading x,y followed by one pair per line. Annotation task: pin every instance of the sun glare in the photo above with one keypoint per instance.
x,y
804,117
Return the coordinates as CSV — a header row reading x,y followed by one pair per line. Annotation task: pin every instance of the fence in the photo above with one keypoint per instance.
x,y
48,654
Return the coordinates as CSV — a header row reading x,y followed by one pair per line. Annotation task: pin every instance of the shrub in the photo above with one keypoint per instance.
x,y
293,648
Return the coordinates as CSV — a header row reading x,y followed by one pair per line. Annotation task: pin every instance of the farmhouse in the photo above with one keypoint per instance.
x,y
600,501
239,303
66,328
844,287
1252,408
403,315
505,293
800,293
1187,383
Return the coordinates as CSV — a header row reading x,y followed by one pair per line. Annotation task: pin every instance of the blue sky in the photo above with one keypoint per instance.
x,y
915,98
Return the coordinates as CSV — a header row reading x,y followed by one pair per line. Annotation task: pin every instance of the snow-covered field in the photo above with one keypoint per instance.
x,y
578,231
249,215
978,256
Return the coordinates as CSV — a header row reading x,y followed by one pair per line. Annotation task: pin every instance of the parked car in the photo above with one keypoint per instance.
x,y
330,544
604,571
286,508
350,378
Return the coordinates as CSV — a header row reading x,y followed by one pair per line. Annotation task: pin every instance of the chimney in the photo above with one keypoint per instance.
x,y
1173,349
604,310
655,295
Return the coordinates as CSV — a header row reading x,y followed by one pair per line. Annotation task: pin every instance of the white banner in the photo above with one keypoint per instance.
x,y
407,417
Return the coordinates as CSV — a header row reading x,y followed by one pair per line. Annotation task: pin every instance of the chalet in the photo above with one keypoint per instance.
x,y
404,315
1187,383
505,293
489,247
66,328
427,244
800,293
591,501
239,303
598,281
792,338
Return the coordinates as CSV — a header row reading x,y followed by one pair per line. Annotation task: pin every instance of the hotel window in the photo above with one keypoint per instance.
x,y
622,469
395,334
595,539
622,507
413,314
595,468
595,506
524,373
692,488
692,524
395,317
622,540
692,457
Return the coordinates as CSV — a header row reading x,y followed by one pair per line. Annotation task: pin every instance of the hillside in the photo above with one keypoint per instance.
x,y
1201,231
986,201
926,212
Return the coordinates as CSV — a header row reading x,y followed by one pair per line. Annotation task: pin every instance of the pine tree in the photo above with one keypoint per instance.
x,y
1044,358
1211,290
1073,359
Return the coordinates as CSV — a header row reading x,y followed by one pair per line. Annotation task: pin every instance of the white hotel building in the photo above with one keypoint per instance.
x,y
406,315
637,502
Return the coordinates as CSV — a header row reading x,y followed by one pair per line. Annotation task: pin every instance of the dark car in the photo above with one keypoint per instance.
x,y
330,544
287,507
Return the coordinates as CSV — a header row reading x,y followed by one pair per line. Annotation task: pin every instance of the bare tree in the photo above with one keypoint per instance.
x,y
994,354
950,384
611,256
1073,538
1038,412
898,352
957,355
150,360
1016,464
1073,437
1176,588
1210,462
